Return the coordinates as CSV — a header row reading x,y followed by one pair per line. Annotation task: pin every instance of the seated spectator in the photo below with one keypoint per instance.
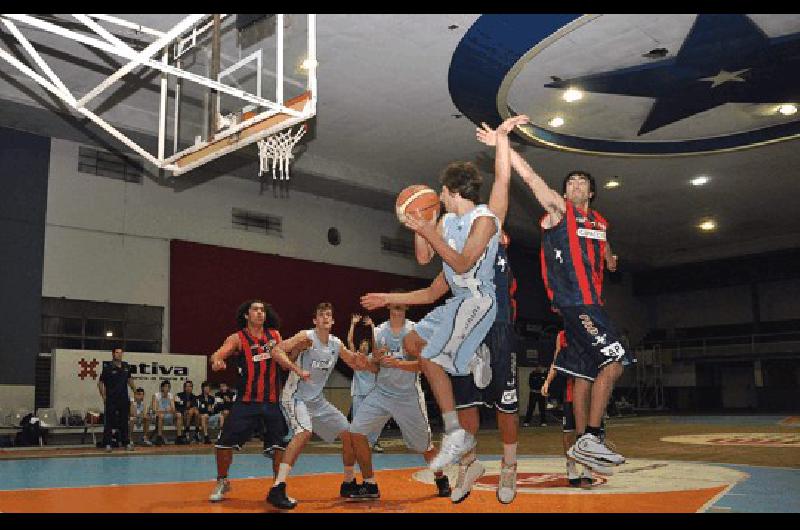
x,y
140,416
163,406
225,402
207,404
186,404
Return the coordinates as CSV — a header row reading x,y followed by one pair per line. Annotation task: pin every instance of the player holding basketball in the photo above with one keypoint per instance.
x,y
306,408
258,389
573,248
446,340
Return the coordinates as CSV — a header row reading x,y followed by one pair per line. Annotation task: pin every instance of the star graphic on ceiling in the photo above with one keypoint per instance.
x,y
730,51
724,76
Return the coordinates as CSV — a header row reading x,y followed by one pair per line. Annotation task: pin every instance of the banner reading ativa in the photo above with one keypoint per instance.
x,y
75,373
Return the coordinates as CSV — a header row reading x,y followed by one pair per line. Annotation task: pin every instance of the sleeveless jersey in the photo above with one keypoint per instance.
x,y
362,383
504,287
395,382
138,407
572,258
319,361
164,403
479,280
258,372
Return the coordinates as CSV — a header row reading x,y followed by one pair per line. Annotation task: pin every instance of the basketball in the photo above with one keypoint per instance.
x,y
418,200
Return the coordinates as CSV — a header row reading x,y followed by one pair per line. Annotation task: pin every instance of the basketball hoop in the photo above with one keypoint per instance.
x,y
278,148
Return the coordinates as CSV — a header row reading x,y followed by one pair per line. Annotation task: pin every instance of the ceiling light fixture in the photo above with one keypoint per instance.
x,y
613,183
558,121
708,225
699,181
572,94
308,64
109,333
787,109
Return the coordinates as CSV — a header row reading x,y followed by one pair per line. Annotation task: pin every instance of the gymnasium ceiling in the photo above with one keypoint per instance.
x,y
394,108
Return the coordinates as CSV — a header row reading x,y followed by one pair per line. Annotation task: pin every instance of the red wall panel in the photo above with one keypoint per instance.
x,y
207,284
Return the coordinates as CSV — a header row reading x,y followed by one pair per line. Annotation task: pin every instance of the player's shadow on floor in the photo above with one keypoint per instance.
x,y
364,506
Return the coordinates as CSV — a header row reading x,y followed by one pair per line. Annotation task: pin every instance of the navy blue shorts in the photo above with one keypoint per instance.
x,y
592,342
501,392
246,418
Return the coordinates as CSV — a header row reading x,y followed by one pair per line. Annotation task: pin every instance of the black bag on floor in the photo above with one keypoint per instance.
x,y
30,433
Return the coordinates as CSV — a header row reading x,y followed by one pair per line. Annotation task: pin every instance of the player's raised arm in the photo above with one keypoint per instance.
x,y
547,197
428,295
230,345
498,198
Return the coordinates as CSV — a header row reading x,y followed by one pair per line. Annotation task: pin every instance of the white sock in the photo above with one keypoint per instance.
x,y
572,469
509,454
450,421
587,472
283,472
468,458
349,474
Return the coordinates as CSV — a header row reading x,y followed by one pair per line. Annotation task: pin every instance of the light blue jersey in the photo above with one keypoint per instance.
x,y
479,280
363,381
395,382
454,331
319,360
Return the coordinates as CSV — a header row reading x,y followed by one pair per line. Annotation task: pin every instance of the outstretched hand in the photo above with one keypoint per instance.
x,y
486,135
372,301
509,124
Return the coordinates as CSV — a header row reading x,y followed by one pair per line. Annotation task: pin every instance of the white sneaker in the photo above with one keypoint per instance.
x,y
222,487
130,447
108,449
589,451
454,446
591,447
507,487
481,367
467,475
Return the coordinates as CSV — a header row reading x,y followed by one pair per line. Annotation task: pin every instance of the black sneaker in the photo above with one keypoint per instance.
x,y
366,491
206,439
443,486
587,482
348,488
575,482
277,497
181,440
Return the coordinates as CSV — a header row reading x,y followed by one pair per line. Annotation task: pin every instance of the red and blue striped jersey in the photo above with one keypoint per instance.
x,y
259,379
572,258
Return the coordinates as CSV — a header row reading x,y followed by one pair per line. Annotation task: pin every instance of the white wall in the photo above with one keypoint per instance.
x,y
109,240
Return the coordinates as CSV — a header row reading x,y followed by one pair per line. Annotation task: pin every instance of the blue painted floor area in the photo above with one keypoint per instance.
x,y
103,471
768,490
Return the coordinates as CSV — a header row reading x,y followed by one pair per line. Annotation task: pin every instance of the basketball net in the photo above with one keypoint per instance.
x,y
278,149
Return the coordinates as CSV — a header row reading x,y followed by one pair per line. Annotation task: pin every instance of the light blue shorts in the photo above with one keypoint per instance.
x,y
454,331
318,416
409,412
